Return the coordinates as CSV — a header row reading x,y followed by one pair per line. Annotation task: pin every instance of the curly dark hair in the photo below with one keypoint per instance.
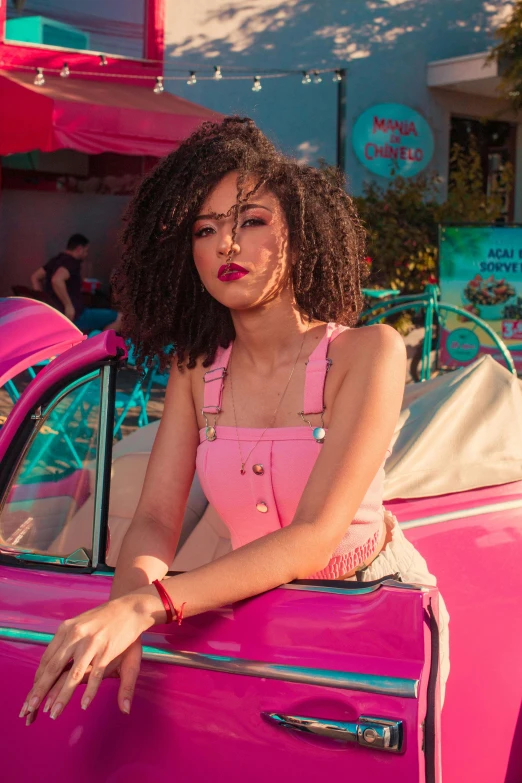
x,y
156,284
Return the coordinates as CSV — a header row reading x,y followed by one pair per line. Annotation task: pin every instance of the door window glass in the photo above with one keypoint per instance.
x,y
48,507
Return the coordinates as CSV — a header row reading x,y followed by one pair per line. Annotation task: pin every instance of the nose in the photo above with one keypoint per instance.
x,y
226,245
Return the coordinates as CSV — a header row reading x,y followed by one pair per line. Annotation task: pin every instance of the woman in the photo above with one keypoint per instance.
x,y
252,266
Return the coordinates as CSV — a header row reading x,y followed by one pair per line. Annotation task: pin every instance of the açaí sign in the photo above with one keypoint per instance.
x,y
391,139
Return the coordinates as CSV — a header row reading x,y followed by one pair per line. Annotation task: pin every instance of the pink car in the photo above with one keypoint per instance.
x,y
313,681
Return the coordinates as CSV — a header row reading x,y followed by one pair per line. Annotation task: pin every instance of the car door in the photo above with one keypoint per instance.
x,y
305,682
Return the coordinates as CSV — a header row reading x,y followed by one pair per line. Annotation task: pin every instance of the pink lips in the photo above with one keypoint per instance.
x,y
229,272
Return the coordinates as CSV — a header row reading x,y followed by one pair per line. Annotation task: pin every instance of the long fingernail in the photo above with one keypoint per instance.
x,y
85,702
126,706
56,710
47,705
22,711
33,704
31,717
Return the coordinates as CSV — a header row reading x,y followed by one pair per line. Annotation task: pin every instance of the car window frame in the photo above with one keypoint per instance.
x,y
23,441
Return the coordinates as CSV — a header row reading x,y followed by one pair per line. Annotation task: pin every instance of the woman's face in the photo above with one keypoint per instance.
x,y
259,268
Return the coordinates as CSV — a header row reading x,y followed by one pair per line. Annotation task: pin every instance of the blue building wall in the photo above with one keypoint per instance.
x,y
384,44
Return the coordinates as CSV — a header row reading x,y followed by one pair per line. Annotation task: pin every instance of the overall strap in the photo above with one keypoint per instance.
x,y
316,368
214,381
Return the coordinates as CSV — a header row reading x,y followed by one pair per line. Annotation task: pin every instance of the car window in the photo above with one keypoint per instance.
x,y
42,511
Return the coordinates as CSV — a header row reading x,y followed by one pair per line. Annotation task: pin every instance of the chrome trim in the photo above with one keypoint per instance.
x,y
374,733
356,590
368,683
464,513
103,457
78,558
100,469
65,391
331,590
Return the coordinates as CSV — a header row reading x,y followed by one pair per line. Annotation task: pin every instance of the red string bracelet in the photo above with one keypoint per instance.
x,y
170,610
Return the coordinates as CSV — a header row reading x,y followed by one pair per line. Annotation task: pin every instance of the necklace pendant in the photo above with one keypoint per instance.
x,y
319,434
243,471
210,433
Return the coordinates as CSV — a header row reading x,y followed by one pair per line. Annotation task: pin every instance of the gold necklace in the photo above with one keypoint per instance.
x,y
269,426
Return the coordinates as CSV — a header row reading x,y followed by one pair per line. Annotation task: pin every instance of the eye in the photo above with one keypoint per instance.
x,y
253,222
204,232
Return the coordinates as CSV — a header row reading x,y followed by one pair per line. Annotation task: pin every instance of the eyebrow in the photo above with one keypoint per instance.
x,y
244,208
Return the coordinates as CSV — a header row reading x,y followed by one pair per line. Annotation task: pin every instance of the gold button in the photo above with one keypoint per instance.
x,y
262,507
258,469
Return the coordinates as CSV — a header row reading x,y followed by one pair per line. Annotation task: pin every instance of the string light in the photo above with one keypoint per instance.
x,y
39,79
158,85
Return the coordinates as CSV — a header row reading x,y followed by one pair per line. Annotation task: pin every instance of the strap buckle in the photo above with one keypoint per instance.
x,y
328,361
216,377
302,414
212,410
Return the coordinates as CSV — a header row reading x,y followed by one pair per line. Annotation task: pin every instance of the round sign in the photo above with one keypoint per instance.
x,y
462,345
391,139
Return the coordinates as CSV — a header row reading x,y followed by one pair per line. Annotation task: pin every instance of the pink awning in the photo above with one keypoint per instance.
x,y
92,116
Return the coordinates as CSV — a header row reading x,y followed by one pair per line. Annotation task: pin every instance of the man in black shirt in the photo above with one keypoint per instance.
x,y
61,279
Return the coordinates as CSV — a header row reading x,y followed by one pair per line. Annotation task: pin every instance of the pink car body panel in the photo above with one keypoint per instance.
x,y
208,725
202,724
31,332
477,560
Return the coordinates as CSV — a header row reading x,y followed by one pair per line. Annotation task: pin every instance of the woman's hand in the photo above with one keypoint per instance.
x,y
126,667
95,644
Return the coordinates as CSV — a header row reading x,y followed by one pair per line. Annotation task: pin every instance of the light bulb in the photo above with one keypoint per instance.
x,y
192,78
39,79
65,72
158,87
217,72
306,78
317,78
337,77
103,60
257,84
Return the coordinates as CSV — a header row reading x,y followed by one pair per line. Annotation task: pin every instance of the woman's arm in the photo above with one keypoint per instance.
x,y
362,423
150,543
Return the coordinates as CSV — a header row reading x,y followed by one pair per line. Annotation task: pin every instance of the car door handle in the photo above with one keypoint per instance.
x,y
369,732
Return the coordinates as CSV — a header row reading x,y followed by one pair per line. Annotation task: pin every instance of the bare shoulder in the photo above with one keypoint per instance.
x,y
366,344
180,384
186,383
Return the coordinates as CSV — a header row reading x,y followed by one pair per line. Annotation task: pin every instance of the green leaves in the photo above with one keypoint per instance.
x,y
508,54
402,218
